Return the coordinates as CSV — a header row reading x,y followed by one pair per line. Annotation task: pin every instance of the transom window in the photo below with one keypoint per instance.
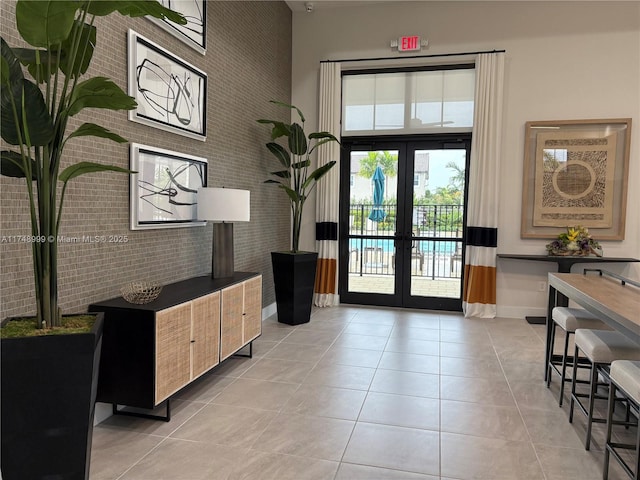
x,y
408,102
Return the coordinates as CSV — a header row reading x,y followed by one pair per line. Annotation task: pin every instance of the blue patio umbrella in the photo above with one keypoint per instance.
x,y
377,212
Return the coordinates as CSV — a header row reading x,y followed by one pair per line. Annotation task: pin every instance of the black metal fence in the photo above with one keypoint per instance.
x,y
436,251
428,220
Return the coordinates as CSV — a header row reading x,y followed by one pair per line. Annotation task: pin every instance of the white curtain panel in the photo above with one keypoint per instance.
x,y
328,190
479,292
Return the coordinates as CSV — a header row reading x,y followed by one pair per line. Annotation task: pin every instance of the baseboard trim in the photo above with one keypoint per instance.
x,y
269,311
520,312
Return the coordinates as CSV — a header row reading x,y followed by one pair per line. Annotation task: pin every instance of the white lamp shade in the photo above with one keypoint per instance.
x,y
223,204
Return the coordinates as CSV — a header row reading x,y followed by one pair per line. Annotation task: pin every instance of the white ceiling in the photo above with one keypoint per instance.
x,y
301,6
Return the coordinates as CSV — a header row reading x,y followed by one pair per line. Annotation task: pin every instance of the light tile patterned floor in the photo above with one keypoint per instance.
x,y
367,394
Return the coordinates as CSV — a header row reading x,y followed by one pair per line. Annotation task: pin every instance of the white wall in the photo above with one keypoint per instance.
x,y
564,61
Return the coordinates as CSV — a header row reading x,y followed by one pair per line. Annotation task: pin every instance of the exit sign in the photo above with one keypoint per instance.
x,y
409,43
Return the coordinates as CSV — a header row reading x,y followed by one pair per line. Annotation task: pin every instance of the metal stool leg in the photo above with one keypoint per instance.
x,y
637,472
593,385
563,376
605,467
550,355
573,387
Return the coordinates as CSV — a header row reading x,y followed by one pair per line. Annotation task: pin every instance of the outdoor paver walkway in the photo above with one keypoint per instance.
x,y
420,286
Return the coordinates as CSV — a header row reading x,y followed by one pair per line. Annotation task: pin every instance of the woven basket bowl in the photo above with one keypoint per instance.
x,y
141,292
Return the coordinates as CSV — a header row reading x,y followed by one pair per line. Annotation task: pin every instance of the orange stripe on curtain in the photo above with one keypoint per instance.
x,y
479,284
326,276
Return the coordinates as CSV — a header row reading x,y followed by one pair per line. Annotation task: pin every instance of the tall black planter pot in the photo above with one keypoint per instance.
x,y
49,387
294,276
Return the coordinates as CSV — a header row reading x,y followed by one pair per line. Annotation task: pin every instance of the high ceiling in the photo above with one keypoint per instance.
x,y
301,6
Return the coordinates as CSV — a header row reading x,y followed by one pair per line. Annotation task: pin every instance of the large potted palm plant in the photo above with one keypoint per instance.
x,y
294,271
49,380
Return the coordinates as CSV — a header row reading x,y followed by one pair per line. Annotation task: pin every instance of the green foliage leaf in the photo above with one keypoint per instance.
x,y
286,105
323,137
93,130
43,23
280,153
282,173
297,140
4,70
385,159
321,142
82,168
39,123
11,165
293,195
318,173
99,92
39,65
83,56
303,164
320,135
280,129
38,68
135,8
11,70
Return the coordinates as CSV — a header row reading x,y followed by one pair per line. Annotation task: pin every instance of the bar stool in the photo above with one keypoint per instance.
x,y
625,379
569,319
600,347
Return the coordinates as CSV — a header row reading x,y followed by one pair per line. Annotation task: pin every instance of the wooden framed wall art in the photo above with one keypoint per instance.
x,y
575,173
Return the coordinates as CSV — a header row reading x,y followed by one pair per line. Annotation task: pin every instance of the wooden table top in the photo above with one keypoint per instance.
x,y
615,304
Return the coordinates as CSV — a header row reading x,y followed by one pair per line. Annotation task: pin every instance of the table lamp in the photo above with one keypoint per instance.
x,y
223,206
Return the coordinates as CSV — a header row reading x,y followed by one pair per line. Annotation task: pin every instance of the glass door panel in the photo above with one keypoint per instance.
x,y
402,222
373,188
437,214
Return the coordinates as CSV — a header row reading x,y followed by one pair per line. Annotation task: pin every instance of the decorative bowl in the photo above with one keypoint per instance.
x,y
141,292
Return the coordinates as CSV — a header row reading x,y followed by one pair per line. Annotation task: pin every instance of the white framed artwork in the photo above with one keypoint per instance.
x,y
171,94
194,33
163,191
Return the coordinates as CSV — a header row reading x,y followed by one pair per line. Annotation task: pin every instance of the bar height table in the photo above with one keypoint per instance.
x,y
613,299
564,266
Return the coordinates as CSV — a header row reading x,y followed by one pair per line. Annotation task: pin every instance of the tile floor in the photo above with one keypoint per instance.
x,y
368,394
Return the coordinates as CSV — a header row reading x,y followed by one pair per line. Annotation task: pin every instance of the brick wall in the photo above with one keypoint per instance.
x,y
248,62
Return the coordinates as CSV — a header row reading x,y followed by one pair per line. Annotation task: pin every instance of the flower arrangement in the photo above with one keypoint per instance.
x,y
575,241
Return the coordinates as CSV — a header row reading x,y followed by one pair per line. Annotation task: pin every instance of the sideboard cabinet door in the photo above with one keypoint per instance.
x,y
231,320
173,350
252,309
205,335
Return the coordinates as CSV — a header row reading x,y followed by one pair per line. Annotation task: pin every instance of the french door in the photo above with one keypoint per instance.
x,y
402,221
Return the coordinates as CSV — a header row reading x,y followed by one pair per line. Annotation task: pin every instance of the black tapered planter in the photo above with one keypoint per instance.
x,y
294,276
49,387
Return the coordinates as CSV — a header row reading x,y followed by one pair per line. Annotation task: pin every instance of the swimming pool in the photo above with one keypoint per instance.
x,y
425,246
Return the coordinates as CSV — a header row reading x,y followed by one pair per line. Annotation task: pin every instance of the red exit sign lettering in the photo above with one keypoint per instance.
x,y
409,43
